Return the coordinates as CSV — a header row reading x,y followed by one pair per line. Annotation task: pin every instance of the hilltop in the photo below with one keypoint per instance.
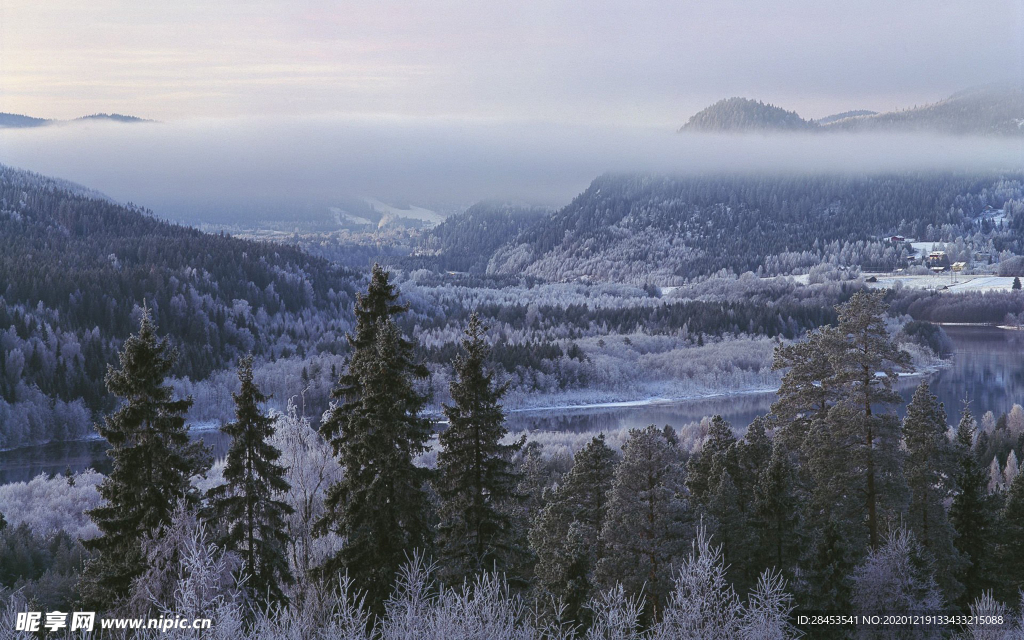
x,y
18,121
988,110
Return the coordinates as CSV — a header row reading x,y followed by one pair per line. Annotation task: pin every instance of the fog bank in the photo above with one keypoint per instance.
x,y
274,168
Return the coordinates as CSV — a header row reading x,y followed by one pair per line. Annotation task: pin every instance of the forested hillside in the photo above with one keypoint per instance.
x,y
74,267
465,241
996,109
665,230
742,114
989,110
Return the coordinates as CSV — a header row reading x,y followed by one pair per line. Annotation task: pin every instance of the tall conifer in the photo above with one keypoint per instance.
x,y
153,460
476,479
381,506
246,508
929,471
565,535
972,514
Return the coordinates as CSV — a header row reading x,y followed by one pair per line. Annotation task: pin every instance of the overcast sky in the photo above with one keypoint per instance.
x,y
640,62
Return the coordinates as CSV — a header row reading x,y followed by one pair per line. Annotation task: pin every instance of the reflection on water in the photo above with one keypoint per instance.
x,y
988,370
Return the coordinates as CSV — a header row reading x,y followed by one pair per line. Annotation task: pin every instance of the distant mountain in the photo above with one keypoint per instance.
x,y
846,114
988,110
742,114
465,241
642,229
112,117
17,121
996,109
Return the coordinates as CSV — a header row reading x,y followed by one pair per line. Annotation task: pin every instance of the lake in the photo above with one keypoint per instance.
x,y
987,370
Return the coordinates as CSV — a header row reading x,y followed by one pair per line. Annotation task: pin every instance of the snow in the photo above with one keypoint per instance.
x,y
343,217
944,282
413,212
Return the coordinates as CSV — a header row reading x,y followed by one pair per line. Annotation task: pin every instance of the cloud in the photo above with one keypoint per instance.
x,y
635,61
249,168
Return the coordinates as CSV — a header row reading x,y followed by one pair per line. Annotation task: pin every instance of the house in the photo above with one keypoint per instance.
x,y
897,239
938,261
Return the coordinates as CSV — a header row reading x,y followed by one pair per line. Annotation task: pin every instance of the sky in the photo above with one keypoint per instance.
x,y
596,62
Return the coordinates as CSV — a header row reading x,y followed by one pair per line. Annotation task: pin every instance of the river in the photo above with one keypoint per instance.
x,y
987,370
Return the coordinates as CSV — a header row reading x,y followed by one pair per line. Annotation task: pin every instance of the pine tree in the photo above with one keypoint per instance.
x,y
381,506
873,440
245,507
565,535
647,530
929,472
972,514
153,460
808,388
1010,542
476,479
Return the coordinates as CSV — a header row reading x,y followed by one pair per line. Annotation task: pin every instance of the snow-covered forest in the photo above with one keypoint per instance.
x,y
370,525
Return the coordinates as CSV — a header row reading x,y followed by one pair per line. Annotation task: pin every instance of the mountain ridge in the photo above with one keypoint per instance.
x,y
995,109
19,121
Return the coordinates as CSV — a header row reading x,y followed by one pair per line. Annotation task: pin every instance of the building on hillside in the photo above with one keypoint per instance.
x,y
938,261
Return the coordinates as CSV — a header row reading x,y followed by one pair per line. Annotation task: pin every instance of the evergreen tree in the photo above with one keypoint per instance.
x,y
566,533
972,514
828,587
717,447
1010,542
476,479
381,506
245,507
873,440
808,388
928,468
646,531
777,510
153,460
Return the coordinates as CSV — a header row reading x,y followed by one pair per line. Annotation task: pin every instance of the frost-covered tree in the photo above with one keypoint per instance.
x,y
247,507
929,471
704,606
897,578
566,534
380,507
1012,468
646,529
153,461
476,479
972,513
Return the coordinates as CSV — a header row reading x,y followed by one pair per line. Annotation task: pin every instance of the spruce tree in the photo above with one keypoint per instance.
x,y
381,506
245,507
153,460
777,515
1010,542
565,535
717,448
972,514
646,533
828,586
928,468
476,480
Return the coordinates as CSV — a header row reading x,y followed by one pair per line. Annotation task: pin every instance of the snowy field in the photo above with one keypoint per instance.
x,y
943,282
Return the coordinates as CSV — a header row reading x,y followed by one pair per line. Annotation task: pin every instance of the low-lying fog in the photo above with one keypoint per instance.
x,y
271,168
